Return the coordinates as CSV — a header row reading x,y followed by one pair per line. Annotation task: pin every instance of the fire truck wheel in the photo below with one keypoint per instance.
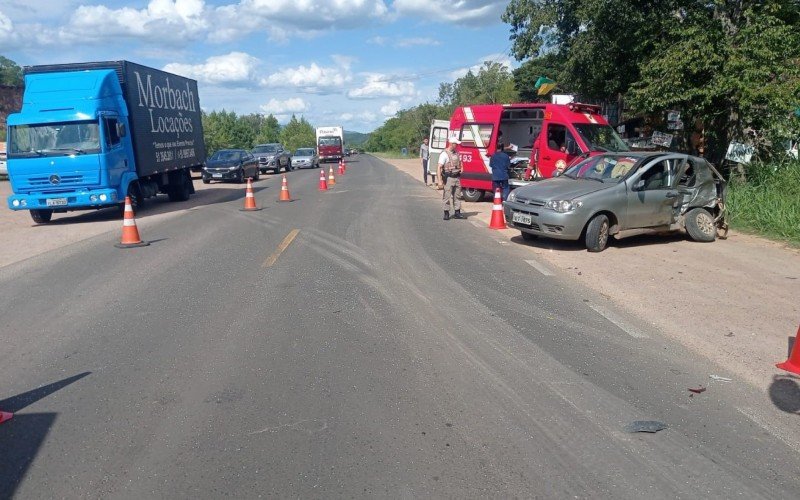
x,y
472,195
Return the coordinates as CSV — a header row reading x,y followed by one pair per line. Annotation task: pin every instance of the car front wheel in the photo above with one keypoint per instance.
x,y
597,233
700,225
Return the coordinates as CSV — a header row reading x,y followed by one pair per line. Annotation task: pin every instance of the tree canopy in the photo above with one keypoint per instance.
x,y
10,73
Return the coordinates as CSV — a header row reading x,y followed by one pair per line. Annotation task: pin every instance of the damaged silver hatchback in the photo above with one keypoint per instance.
x,y
620,194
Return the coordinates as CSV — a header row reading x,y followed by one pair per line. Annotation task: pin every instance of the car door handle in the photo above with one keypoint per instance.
x,y
672,194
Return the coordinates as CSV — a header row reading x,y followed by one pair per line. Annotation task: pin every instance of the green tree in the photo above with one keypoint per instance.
x,y
549,65
732,65
10,73
298,134
492,84
269,130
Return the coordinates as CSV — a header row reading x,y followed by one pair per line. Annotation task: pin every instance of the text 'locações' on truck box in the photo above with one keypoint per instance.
x,y
330,143
91,133
549,137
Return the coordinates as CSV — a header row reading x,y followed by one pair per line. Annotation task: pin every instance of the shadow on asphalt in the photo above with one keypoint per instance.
x,y
21,437
640,240
784,392
158,205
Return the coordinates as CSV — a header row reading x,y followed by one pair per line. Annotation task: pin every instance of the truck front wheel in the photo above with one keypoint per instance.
x,y
41,216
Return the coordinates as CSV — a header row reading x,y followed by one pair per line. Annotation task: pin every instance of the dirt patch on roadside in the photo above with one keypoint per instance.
x,y
734,301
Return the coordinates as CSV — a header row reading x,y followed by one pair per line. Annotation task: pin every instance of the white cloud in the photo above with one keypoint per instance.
x,y
378,40
7,33
232,68
391,108
503,59
313,78
176,21
467,12
418,41
285,107
379,85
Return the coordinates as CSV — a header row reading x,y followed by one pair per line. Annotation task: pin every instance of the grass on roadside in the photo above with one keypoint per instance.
x,y
767,201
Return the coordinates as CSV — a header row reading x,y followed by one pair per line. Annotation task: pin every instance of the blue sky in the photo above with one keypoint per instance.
x,y
336,62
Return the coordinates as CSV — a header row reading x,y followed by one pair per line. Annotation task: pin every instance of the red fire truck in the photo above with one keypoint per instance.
x,y
549,136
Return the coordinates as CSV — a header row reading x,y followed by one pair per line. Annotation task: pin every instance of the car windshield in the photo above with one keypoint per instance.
x,y
304,152
603,168
330,141
601,138
54,139
225,155
265,149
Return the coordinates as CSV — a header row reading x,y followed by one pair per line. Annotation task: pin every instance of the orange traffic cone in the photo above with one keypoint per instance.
x,y
498,219
323,186
285,190
344,167
331,178
249,199
341,167
793,363
130,234
5,416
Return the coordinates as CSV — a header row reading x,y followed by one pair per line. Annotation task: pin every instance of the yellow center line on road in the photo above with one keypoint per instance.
x,y
283,246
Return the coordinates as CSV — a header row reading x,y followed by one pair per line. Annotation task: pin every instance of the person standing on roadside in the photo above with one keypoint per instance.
x,y
424,153
499,164
449,171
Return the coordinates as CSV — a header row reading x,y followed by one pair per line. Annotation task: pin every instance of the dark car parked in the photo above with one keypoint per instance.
x,y
272,157
230,165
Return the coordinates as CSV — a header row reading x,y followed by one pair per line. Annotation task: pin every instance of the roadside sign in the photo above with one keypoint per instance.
x,y
739,153
661,139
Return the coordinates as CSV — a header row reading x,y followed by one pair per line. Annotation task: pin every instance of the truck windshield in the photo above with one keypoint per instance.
x,y
330,141
54,139
600,137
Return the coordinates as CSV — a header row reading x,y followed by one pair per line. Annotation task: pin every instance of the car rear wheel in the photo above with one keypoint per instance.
x,y
700,225
42,216
597,233
256,175
472,195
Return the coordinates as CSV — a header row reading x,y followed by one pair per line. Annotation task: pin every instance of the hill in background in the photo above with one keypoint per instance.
x,y
354,139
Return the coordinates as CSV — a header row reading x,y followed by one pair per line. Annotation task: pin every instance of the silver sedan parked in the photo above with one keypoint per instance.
x,y
305,158
609,194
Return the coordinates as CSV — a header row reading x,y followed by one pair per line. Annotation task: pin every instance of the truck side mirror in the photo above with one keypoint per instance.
x,y
121,129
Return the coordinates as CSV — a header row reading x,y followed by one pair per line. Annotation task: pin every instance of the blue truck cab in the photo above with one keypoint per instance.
x,y
90,134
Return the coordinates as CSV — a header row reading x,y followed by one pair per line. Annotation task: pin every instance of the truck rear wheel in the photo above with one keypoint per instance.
x,y
180,188
41,216
472,195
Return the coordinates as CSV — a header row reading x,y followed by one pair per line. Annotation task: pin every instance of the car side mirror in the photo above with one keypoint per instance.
x,y
638,185
121,132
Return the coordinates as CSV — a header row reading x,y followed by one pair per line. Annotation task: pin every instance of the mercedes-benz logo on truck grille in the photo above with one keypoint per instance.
x,y
55,180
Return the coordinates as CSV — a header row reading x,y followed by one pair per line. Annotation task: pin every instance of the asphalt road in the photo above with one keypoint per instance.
x,y
350,344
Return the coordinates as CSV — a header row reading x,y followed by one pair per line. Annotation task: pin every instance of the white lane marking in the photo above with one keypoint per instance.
x,y
625,327
539,267
759,421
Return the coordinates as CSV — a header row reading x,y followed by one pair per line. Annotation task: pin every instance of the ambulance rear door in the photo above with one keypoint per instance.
x,y
437,142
